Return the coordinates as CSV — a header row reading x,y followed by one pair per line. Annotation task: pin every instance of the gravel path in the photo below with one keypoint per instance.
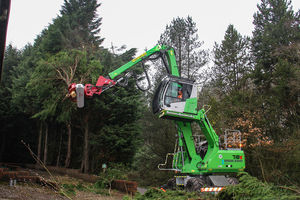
x,y
141,190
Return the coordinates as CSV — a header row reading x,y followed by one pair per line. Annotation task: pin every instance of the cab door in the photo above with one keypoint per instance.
x,y
172,94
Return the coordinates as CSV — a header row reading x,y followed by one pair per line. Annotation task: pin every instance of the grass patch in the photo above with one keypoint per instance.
x,y
70,189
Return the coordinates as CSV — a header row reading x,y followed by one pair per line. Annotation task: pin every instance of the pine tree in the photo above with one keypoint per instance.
x,y
274,45
12,59
182,35
232,61
116,132
83,21
77,27
276,26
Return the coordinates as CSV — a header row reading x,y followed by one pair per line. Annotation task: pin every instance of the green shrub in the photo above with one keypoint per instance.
x,y
115,171
254,189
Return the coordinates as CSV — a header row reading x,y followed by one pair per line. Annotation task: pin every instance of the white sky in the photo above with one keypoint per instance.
x,y
138,23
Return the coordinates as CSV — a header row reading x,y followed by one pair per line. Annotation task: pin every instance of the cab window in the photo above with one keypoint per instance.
x,y
177,92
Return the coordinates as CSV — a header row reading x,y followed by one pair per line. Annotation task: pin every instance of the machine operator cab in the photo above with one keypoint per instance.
x,y
175,98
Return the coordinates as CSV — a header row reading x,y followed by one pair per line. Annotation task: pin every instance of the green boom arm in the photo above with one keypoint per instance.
x,y
169,52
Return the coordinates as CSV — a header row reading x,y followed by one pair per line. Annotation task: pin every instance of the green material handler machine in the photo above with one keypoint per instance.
x,y
200,159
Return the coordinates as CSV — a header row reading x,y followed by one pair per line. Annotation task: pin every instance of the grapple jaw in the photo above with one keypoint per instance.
x,y
77,92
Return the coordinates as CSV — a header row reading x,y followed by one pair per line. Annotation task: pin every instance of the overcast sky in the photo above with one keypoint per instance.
x,y
138,23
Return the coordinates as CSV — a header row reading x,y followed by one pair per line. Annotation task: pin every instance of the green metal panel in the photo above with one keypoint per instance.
x,y
208,131
172,62
191,106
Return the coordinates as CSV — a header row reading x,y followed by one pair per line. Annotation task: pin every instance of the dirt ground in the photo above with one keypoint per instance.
x,y
32,191
27,192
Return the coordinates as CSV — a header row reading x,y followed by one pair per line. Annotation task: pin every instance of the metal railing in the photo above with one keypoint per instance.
x,y
232,139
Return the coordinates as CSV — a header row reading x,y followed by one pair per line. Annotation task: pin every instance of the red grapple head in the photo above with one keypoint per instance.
x,y
89,89
72,91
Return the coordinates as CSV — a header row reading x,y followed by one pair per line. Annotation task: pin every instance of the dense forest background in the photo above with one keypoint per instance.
x,y
251,82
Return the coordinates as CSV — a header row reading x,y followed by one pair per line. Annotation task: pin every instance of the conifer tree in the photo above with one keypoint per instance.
x,y
83,23
276,26
231,61
274,45
182,35
77,27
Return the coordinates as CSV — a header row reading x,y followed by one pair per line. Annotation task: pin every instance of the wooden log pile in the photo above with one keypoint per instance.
x,y
19,175
129,187
13,172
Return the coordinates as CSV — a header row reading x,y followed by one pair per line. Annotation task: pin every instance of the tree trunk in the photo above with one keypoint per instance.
x,y
68,157
86,149
180,58
40,141
85,158
235,76
46,144
82,164
188,63
59,149
2,149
